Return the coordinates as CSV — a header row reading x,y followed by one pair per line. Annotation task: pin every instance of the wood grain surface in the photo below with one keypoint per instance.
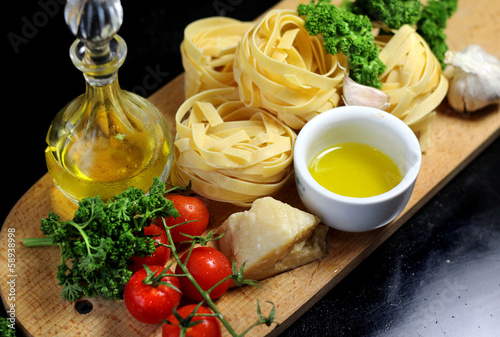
x,y
40,310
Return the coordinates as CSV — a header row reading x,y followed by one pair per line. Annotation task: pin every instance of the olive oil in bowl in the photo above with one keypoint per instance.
x,y
355,170
352,187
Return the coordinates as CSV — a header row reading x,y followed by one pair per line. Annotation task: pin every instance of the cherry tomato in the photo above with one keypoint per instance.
x,y
159,257
208,327
191,209
208,267
147,299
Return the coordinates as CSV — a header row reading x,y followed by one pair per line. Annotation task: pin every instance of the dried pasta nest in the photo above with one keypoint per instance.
x,y
413,79
280,67
208,52
230,152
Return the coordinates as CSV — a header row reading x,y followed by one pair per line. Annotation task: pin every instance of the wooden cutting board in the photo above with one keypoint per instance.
x,y
40,310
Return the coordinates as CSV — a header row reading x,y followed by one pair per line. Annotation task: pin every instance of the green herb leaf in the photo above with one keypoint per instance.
x,y
345,32
97,244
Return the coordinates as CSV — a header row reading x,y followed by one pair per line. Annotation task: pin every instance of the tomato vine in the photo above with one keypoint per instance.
x,y
236,276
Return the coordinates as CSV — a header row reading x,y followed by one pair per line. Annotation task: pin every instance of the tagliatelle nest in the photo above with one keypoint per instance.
x,y
413,80
230,152
280,67
208,53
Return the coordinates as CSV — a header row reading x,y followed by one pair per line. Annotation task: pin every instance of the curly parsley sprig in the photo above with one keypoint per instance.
x,y
351,34
429,18
96,245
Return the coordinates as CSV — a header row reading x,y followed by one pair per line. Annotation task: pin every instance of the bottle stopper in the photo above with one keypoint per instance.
x,y
98,51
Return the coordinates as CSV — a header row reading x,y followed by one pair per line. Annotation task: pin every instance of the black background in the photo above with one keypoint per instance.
x,y
439,275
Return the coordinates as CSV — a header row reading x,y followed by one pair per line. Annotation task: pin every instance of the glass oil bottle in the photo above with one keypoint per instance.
x,y
107,139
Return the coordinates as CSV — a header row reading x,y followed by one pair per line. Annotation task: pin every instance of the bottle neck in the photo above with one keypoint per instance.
x,y
99,65
103,92
100,80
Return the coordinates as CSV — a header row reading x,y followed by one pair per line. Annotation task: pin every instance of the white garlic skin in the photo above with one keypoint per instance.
x,y
362,95
474,78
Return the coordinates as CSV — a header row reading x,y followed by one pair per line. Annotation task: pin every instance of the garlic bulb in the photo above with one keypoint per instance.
x,y
474,77
358,94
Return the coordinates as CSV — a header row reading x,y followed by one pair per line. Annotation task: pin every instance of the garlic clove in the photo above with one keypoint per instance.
x,y
474,77
358,94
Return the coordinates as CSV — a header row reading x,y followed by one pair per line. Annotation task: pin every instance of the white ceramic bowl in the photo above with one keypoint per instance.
x,y
374,127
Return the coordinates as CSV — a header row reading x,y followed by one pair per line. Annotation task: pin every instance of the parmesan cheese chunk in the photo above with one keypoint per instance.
x,y
272,237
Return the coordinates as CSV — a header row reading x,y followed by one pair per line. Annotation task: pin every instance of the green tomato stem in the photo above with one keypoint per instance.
x,y
204,294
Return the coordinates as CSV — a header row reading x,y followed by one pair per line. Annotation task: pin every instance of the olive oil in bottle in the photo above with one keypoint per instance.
x,y
107,139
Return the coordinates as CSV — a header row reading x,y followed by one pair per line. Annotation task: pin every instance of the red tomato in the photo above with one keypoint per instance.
x,y
159,257
208,267
190,208
148,301
208,327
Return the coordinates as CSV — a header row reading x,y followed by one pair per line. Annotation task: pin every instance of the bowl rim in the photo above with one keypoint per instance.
x,y
301,166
